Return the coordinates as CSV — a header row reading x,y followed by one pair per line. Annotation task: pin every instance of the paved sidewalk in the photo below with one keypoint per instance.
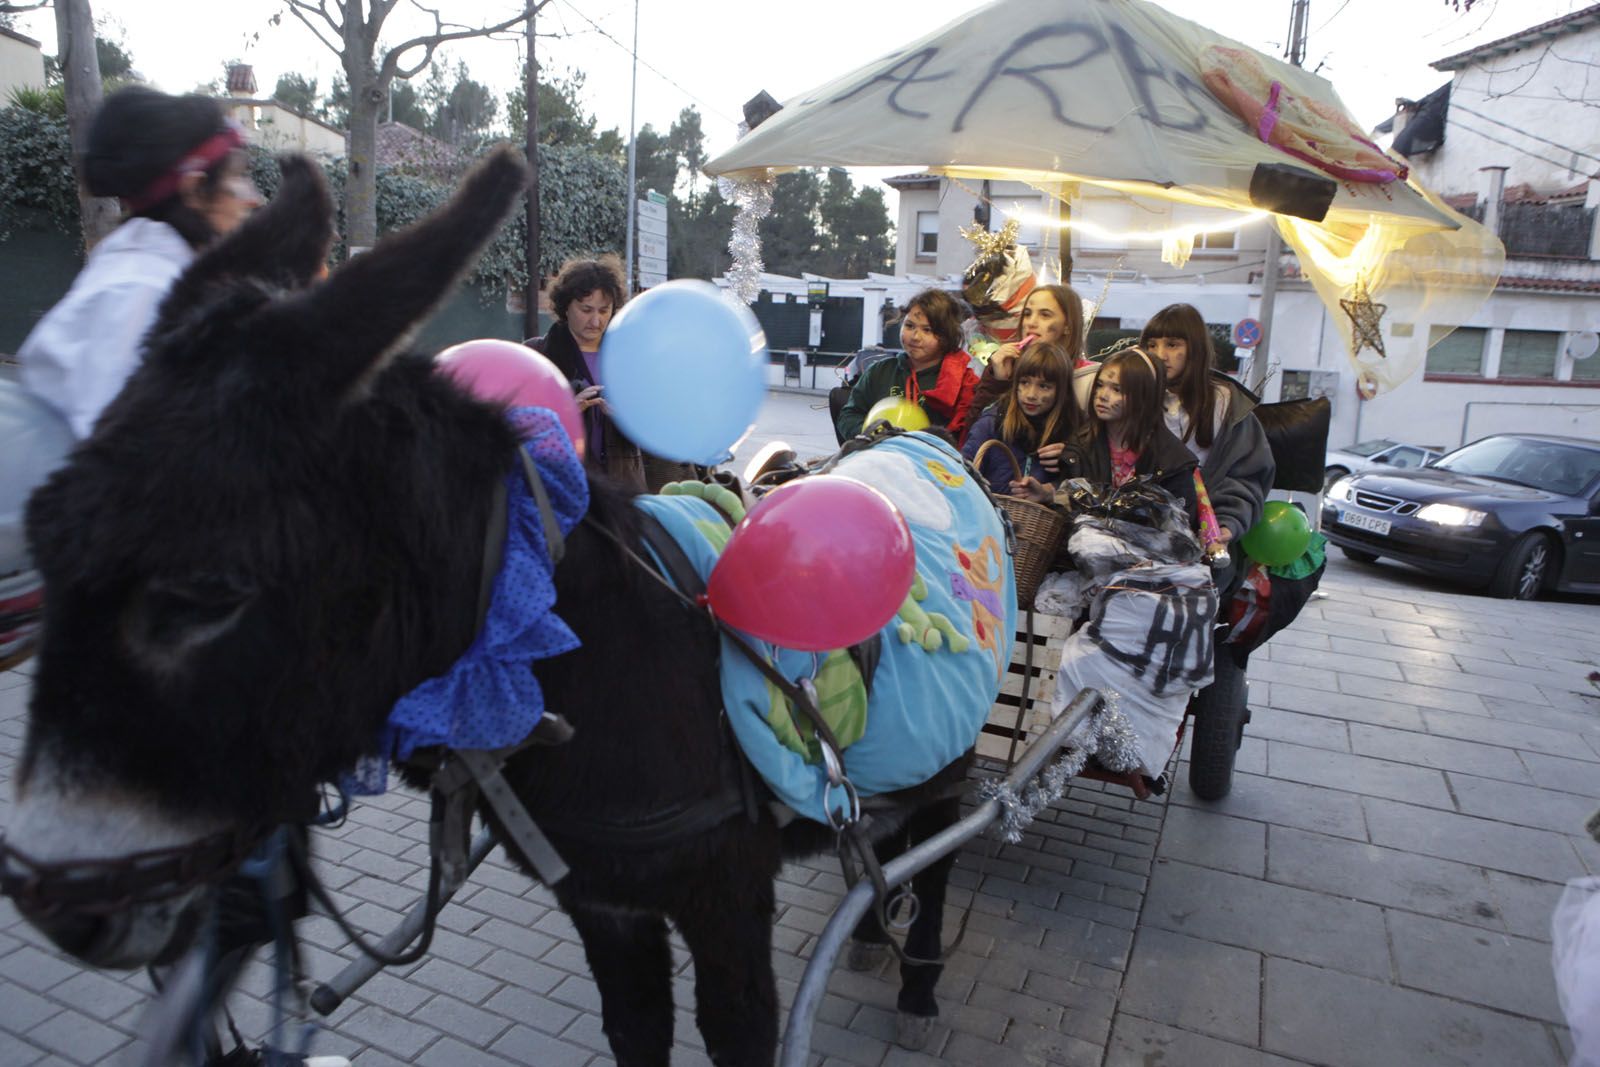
x,y
1376,890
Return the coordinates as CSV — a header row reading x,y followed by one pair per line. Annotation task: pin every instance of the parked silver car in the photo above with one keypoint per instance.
x,y
1368,455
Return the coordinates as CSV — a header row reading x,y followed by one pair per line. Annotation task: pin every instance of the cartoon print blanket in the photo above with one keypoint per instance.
x,y
943,657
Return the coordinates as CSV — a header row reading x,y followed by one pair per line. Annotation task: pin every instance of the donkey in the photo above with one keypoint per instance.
x,y
276,531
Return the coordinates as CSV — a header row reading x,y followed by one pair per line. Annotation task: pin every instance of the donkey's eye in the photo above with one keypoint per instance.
x,y
175,613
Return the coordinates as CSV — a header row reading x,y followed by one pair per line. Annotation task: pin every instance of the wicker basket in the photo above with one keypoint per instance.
x,y
1038,528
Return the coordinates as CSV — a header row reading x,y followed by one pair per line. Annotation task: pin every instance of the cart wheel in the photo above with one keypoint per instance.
x,y
1220,713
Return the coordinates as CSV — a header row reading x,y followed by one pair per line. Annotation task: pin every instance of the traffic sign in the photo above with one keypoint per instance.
x,y
649,209
1247,333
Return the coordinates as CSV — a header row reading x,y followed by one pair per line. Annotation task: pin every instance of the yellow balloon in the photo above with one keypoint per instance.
x,y
899,412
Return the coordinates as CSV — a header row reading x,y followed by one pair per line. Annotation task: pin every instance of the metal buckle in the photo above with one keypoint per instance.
x,y
852,812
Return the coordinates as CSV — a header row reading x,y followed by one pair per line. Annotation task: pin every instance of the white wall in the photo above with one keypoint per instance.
x,y
1545,87
21,66
282,130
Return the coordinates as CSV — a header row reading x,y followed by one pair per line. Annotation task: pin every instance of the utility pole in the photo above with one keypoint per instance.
x,y
1299,14
633,144
530,89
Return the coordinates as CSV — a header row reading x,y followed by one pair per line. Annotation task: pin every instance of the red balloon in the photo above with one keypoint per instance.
x,y
818,564
504,372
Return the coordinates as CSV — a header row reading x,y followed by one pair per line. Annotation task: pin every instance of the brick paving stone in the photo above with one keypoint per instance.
x,y
1194,985
1477,966
1365,775
525,1046
388,1031
21,1010
1346,707
1281,803
77,1037
1345,1021
448,1052
1525,904
1443,753
1525,737
1209,838
459,1019
521,1006
1137,1042
587,1031
1519,805
1268,918
1493,845
1384,876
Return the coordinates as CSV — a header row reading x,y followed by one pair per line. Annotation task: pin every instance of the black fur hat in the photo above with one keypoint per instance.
x,y
138,134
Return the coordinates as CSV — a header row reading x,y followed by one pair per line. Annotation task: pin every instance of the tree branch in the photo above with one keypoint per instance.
x,y
391,66
295,7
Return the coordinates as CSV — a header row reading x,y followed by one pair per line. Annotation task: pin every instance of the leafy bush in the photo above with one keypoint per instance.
x,y
36,172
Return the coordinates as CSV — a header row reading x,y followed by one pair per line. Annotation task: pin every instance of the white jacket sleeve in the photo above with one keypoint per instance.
x,y
80,354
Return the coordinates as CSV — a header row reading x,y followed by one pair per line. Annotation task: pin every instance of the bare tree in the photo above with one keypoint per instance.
x,y
349,29
80,73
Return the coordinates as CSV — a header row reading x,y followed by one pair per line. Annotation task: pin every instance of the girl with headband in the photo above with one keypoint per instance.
x,y
1125,435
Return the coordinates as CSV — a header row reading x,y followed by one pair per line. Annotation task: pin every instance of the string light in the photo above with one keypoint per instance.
x,y
1043,219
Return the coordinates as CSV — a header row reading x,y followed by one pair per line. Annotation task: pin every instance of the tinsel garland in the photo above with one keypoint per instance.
x,y
1107,736
752,199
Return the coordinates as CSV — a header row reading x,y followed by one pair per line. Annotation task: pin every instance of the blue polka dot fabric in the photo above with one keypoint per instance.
x,y
489,698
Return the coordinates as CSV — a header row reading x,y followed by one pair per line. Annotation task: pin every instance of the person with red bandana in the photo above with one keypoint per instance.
x,y
180,169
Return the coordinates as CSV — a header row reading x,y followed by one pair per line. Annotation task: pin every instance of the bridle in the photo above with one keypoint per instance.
x,y
109,886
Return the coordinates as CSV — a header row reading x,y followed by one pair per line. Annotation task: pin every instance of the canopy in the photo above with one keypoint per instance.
x,y
1122,95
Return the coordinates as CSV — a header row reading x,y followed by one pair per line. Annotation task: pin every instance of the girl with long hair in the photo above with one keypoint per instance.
x,y
1036,414
1125,435
1213,415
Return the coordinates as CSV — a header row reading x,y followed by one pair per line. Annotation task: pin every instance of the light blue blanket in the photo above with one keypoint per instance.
x,y
943,657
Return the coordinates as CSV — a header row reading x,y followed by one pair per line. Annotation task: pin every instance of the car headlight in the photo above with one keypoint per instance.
x,y
1450,515
1340,490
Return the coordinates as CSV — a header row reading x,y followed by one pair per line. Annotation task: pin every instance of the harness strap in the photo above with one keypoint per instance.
x,y
482,769
553,541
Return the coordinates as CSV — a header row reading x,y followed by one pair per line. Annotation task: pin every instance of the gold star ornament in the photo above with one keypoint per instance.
x,y
990,244
1365,320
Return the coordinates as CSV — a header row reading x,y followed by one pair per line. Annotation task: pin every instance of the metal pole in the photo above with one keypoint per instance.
x,y
530,89
1299,13
814,982
633,144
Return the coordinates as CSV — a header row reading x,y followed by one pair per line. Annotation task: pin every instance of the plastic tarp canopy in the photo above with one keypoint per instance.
x,y
1123,96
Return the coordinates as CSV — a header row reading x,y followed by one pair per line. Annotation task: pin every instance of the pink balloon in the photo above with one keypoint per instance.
x,y
818,564
504,372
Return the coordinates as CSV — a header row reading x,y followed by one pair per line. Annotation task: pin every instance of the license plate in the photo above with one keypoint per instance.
x,y
1365,522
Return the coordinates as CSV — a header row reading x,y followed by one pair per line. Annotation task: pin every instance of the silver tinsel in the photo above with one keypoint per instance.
x,y
1106,735
753,199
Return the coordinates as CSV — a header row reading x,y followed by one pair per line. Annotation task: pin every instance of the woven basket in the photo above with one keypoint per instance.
x,y
1038,528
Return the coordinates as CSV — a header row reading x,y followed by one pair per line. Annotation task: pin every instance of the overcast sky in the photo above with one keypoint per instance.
x,y
715,55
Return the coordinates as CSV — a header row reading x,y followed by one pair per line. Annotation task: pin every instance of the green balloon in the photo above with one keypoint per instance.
x,y
1280,537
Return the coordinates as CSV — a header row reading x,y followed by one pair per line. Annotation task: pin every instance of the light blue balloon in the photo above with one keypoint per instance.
x,y
685,371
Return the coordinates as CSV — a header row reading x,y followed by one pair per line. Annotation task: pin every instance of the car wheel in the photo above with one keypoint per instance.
x,y
1358,556
1523,572
1331,475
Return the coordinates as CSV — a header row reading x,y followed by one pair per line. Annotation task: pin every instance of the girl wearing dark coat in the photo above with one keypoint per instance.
x,y
1125,436
932,372
1032,420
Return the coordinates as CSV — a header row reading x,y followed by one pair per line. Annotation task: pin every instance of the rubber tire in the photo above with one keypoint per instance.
x,y
1331,475
1356,555
1532,551
1220,712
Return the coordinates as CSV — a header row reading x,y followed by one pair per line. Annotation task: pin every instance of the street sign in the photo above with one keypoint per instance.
x,y
1247,333
651,247
650,242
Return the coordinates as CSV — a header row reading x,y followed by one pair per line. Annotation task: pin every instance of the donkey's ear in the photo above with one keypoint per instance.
x,y
284,244
373,302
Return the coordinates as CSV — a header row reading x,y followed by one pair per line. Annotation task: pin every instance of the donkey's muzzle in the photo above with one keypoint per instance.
x,y
144,934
